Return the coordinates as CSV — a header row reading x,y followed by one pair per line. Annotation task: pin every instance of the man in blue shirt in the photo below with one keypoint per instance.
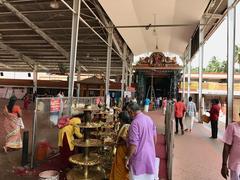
x,y
146,104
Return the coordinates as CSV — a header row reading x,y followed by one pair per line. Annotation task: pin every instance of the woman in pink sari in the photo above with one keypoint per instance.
x,y
12,124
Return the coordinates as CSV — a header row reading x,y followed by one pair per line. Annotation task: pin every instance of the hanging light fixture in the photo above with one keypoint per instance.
x,y
156,44
154,23
54,4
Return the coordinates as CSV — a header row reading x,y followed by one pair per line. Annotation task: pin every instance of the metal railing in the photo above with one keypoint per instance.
x,y
169,135
45,131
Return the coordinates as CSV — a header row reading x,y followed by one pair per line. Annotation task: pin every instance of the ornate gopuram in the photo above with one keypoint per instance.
x,y
157,76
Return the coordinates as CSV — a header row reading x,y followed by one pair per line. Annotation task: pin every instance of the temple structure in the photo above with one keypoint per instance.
x,y
157,76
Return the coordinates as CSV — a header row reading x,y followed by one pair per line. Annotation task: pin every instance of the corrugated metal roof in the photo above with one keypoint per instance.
x,y
21,45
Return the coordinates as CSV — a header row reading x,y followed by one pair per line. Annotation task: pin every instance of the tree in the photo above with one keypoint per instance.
x,y
224,66
194,69
237,54
214,65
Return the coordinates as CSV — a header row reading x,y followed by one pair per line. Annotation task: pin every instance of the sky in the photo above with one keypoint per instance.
x,y
217,43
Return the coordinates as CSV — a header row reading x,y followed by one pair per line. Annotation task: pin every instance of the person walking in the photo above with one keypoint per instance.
x,y
157,102
231,151
142,138
61,96
214,114
179,109
164,105
26,102
146,104
190,114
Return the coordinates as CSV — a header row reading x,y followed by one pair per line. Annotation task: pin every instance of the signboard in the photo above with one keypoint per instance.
x,y
55,104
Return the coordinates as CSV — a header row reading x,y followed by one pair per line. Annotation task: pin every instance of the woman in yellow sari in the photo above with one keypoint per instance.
x,y
119,171
67,130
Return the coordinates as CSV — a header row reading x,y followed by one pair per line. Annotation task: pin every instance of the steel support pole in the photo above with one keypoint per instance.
x,y
35,78
189,69
183,80
79,73
78,80
123,69
73,53
200,73
130,78
126,76
78,90
231,27
189,79
123,80
108,68
34,135
131,71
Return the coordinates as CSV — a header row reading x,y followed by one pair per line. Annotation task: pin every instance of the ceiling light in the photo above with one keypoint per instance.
x,y
156,44
154,23
54,4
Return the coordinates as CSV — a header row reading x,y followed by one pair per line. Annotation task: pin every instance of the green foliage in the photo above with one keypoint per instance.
x,y
224,66
214,65
194,70
218,65
237,54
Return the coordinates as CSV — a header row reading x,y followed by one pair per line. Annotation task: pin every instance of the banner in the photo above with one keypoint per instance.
x,y
55,104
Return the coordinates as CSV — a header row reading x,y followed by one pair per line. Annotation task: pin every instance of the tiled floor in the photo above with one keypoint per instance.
x,y
196,156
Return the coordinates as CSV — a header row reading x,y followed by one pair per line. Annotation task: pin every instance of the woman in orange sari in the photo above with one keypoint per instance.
x,y
119,171
12,125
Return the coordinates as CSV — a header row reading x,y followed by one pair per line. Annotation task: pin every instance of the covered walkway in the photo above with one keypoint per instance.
x,y
196,156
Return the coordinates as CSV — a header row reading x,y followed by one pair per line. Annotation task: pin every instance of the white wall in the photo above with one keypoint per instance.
x,y
16,75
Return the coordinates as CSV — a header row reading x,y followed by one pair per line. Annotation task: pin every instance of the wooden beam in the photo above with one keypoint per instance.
x,y
39,12
35,28
44,42
104,19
